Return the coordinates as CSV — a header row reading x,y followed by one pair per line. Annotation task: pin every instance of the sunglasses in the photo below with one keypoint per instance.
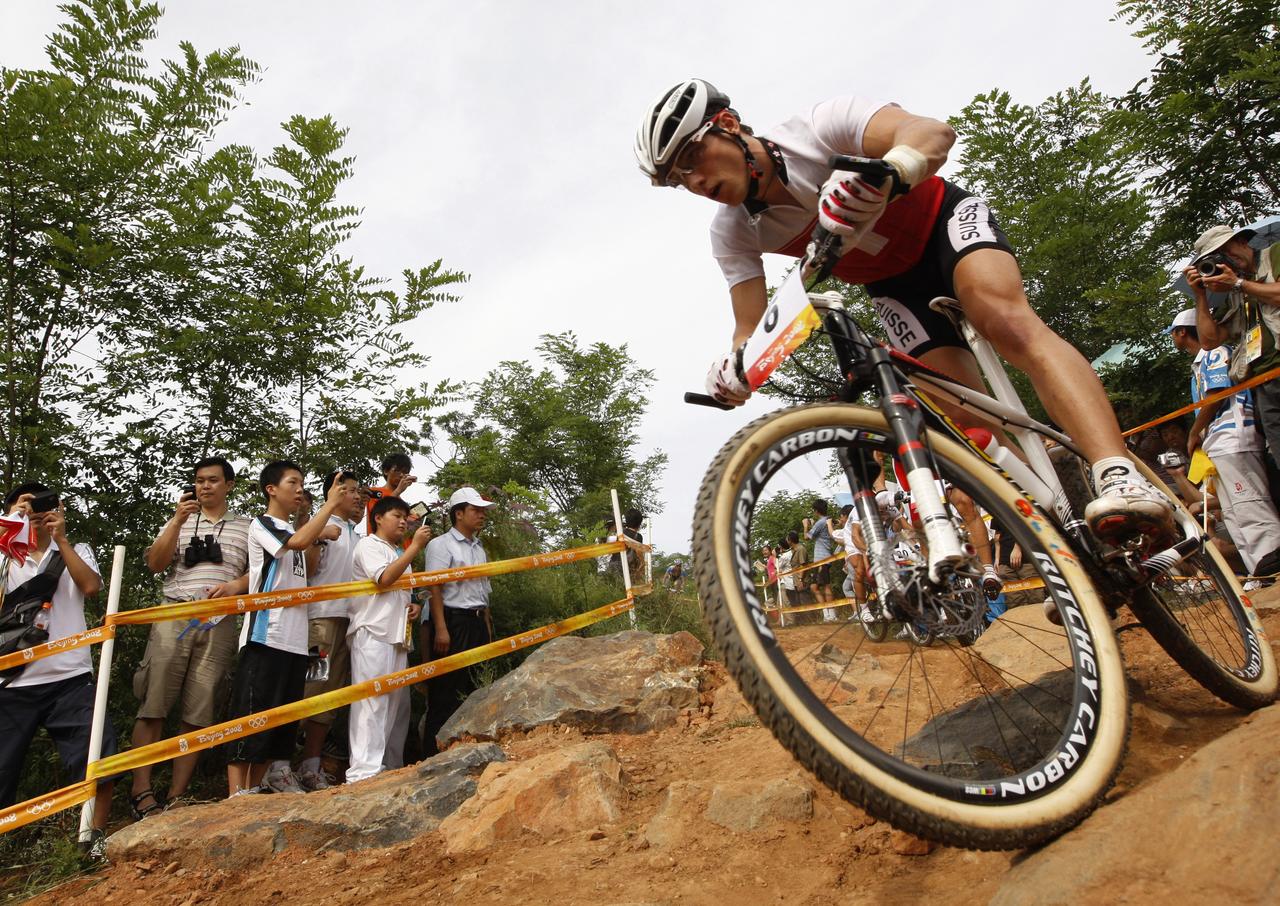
x,y
688,157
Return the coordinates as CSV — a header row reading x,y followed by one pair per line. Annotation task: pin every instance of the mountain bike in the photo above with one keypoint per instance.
x,y
1011,739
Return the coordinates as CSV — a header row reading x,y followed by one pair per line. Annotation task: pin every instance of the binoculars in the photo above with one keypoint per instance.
x,y
202,550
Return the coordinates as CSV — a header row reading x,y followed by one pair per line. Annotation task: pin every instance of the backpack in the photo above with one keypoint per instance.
x,y
19,611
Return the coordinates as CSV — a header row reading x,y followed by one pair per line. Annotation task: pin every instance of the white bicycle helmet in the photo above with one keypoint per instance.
x,y
669,122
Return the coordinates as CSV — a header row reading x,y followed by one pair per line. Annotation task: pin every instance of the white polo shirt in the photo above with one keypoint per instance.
x,y
450,551
66,617
335,566
274,567
384,615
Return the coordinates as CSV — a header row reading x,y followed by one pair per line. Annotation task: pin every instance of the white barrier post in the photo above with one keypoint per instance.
x,y
100,701
626,568
648,555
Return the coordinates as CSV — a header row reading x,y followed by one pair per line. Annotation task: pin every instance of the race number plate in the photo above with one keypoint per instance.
x,y
787,323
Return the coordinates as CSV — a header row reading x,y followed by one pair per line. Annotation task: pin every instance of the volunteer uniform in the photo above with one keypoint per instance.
x,y
905,261
272,670
1233,443
56,693
328,625
377,634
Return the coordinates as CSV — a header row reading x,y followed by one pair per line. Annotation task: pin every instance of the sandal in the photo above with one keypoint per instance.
x,y
138,810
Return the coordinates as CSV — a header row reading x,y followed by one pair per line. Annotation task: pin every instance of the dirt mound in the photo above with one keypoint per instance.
x,y
713,810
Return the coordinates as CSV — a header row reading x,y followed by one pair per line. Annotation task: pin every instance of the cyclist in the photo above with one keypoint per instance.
x,y
909,240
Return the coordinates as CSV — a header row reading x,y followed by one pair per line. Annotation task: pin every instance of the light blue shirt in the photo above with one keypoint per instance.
x,y
450,551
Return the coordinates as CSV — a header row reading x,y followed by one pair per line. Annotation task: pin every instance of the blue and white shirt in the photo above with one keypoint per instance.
x,y
1233,430
273,567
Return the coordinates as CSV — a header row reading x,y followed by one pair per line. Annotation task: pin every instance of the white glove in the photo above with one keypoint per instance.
x,y
849,206
726,380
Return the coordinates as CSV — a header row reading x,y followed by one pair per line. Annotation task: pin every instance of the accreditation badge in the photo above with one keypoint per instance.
x,y
1253,343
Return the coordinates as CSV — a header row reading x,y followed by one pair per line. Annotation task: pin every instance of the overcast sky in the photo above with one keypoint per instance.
x,y
498,137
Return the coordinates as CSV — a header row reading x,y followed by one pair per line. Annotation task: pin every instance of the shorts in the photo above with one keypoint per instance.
x,y
329,634
65,709
965,224
192,665
266,678
819,575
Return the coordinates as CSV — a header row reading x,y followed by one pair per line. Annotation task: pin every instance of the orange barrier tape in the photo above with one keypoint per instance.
x,y
1211,398
57,646
24,813
1022,585
166,749
838,602
187,610
808,566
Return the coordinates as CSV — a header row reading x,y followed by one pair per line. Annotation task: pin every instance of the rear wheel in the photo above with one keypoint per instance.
x,y
1204,620
999,745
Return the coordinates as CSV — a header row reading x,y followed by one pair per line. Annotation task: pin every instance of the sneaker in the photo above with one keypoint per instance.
x,y
280,779
313,780
1127,505
992,584
1252,585
247,791
902,634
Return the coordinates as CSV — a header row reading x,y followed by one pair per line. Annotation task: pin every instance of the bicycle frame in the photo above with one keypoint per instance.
x,y
899,380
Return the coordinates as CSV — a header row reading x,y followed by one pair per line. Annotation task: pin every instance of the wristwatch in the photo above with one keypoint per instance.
x,y
1239,283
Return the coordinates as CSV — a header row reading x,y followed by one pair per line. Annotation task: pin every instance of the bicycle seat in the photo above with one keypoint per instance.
x,y
945,305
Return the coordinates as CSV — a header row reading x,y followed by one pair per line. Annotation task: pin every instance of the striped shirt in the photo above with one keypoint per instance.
x,y
231,532
1233,429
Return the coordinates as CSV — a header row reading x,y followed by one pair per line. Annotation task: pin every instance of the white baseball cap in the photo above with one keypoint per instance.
x,y
1185,318
468,495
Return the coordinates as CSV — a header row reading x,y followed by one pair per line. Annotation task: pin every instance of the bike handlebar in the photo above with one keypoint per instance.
x,y
702,399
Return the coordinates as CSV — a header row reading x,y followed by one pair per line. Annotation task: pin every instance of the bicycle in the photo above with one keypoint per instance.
x,y
1009,740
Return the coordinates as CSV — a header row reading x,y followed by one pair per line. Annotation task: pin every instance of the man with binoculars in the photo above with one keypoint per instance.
x,y
205,550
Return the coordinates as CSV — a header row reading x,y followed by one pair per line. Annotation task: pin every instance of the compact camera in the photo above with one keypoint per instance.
x,y
202,550
44,501
1171,459
1211,264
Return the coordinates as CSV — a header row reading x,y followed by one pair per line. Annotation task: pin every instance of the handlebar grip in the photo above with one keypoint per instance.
x,y
867,166
702,399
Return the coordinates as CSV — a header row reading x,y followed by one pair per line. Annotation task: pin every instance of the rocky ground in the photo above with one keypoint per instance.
x,y
672,793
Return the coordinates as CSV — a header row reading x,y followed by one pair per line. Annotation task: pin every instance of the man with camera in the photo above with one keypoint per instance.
x,y
1225,262
1227,433
205,550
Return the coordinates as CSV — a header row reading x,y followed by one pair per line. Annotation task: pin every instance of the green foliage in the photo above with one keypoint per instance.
x,y
565,431
1205,125
783,512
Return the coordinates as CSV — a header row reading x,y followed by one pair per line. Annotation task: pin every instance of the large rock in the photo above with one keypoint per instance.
x,y
1023,645
628,682
1203,833
738,806
558,792
387,809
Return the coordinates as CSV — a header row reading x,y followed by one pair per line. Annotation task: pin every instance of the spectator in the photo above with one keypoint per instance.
x,y
786,583
327,624
56,693
204,549
799,557
379,634
819,532
396,480
770,572
273,643
459,610
1227,433
674,577
1250,320
632,519
849,535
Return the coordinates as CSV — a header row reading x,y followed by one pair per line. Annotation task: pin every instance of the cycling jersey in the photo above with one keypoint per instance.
x,y
908,257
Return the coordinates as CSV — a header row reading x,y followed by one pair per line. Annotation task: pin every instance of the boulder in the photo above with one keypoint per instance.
x,y
390,808
738,806
1024,644
628,682
1199,834
559,792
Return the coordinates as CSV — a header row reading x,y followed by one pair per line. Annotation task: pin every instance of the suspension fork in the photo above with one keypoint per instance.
x,y
860,470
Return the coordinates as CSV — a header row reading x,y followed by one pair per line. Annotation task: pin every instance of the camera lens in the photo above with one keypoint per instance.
x,y
1208,268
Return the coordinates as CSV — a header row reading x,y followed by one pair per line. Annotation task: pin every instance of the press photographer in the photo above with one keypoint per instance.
x,y
205,550
1227,261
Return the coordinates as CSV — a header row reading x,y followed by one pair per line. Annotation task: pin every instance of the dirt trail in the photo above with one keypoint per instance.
x,y
840,856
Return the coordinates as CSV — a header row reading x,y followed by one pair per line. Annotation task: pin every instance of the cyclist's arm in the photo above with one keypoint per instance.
x,y
750,298
892,126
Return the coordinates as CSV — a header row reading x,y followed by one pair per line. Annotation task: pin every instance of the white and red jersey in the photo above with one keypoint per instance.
x,y
807,141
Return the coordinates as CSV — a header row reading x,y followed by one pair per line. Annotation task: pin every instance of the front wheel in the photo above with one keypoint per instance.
x,y
999,745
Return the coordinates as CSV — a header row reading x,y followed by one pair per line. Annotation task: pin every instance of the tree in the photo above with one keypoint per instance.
x,y
1205,125
783,512
566,430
